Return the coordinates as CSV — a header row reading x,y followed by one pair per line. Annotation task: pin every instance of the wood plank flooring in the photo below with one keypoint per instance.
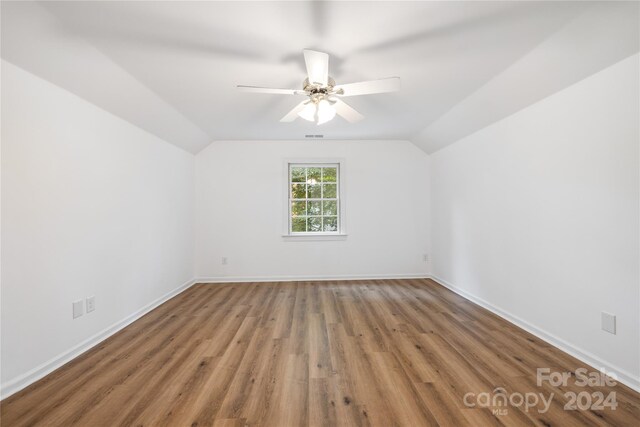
x,y
353,353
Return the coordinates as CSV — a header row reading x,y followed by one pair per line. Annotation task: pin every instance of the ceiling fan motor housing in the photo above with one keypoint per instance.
x,y
312,88
318,92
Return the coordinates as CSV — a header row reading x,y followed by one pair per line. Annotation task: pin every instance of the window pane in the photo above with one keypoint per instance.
x,y
314,223
299,224
329,208
330,223
315,208
298,191
329,174
298,175
314,191
298,208
329,191
314,175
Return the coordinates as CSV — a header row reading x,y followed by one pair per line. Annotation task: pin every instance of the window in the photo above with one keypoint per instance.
x,y
314,198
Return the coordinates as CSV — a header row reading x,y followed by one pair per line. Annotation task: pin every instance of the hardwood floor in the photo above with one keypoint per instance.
x,y
384,353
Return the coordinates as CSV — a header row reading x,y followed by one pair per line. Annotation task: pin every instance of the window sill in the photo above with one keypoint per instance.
x,y
313,237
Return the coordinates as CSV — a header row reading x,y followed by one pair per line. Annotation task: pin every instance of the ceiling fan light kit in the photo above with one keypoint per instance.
x,y
324,95
319,108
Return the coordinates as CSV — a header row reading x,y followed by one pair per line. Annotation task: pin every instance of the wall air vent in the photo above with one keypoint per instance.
x,y
314,136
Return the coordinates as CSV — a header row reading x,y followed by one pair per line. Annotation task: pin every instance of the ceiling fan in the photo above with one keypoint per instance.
x,y
324,95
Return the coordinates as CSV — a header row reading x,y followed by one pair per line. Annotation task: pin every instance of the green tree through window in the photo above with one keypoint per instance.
x,y
313,198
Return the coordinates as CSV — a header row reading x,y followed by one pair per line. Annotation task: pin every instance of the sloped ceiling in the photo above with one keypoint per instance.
x,y
171,67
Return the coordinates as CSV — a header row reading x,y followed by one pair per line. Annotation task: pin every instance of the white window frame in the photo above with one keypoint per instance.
x,y
341,233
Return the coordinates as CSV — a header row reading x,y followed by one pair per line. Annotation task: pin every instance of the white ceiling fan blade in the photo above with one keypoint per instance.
x,y
293,114
391,84
256,89
346,112
317,66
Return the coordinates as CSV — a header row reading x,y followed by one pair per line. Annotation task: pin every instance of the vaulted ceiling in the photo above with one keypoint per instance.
x,y
171,67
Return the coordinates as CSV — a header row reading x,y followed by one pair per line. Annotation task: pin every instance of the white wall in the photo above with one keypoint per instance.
x,y
538,216
239,205
91,205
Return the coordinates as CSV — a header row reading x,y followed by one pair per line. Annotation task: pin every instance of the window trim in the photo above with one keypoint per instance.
x,y
340,234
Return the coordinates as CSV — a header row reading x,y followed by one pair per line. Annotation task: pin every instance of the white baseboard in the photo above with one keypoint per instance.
x,y
622,375
16,384
234,279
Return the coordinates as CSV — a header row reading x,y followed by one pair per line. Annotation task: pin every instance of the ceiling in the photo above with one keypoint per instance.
x,y
171,67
